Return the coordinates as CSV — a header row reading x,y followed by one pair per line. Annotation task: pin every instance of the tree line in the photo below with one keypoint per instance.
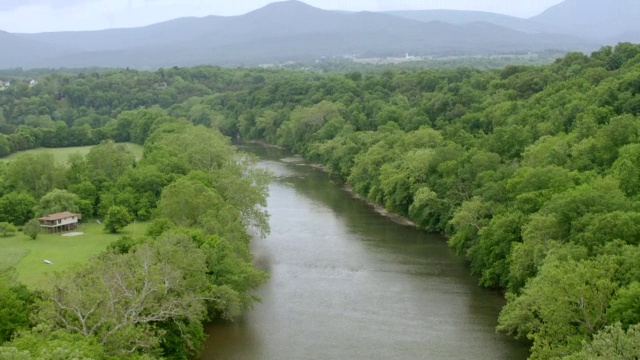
x,y
532,171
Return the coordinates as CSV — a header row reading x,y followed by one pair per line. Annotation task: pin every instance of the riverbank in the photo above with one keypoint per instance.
x,y
262,143
347,188
380,209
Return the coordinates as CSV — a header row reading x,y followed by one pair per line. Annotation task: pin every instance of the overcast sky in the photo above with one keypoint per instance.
x,y
59,15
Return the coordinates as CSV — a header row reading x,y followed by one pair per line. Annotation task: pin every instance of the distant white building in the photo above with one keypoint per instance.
x,y
33,82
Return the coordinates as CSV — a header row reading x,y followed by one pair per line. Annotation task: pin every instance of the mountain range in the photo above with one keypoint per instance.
x,y
607,20
295,31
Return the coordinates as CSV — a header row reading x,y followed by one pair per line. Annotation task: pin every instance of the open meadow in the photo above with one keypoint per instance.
x,y
62,154
28,256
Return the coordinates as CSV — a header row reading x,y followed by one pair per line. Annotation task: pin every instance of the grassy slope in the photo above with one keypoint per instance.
x,y
61,154
28,256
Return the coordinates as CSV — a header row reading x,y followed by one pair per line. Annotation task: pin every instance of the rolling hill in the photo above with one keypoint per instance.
x,y
161,34
594,19
284,31
460,17
17,50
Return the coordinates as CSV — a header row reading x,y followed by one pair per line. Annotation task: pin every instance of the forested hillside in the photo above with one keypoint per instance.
x,y
531,171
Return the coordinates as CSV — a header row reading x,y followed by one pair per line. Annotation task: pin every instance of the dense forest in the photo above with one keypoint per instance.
x,y
533,172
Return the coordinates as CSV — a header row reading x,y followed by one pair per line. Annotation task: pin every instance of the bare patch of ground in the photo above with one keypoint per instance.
x,y
73,234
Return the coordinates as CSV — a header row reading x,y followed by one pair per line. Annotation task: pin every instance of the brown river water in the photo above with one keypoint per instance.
x,y
348,283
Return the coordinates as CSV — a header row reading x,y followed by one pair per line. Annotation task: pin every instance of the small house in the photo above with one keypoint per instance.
x,y
60,222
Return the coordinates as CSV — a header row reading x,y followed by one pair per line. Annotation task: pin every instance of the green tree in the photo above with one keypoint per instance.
x,y
35,173
17,207
5,146
188,149
11,353
299,130
15,305
109,160
541,233
7,229
186,201
158,226
141,123
244,187
44,344
32,228
613,342
232,275
117,218
119,299
599,229
467,221
625,307
57,201
490,255
564,305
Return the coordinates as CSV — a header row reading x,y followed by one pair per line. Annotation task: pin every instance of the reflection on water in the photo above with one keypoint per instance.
x,y
347,283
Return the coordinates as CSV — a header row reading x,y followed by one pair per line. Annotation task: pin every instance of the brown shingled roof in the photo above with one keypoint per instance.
x,y
60,216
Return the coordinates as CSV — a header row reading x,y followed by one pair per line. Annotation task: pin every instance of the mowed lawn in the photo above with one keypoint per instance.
x,y
62,154
28,256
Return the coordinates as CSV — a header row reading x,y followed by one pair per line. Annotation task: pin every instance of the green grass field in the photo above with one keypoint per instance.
x,y
62,154
28,256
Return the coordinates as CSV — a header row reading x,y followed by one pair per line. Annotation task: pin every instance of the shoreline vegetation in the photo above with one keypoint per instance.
x,y
346,188
532,172
380,209
349,190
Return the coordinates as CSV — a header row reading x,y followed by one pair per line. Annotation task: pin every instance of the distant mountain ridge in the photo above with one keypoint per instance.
x,y
15,48
461,17
289,31
596,19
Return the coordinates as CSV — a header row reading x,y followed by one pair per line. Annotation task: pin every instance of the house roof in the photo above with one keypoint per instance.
x,y
59,216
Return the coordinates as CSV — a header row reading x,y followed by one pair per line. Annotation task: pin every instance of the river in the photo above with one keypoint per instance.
x,y
348,283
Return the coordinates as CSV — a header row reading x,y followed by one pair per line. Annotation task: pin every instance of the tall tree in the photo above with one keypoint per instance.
x,y
109,160
35,173
57,201
120,298
15,305
32,228
17,207
186,201
117,219
564,305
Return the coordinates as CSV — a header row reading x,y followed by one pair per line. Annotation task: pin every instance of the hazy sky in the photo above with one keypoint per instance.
x,y
58,15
